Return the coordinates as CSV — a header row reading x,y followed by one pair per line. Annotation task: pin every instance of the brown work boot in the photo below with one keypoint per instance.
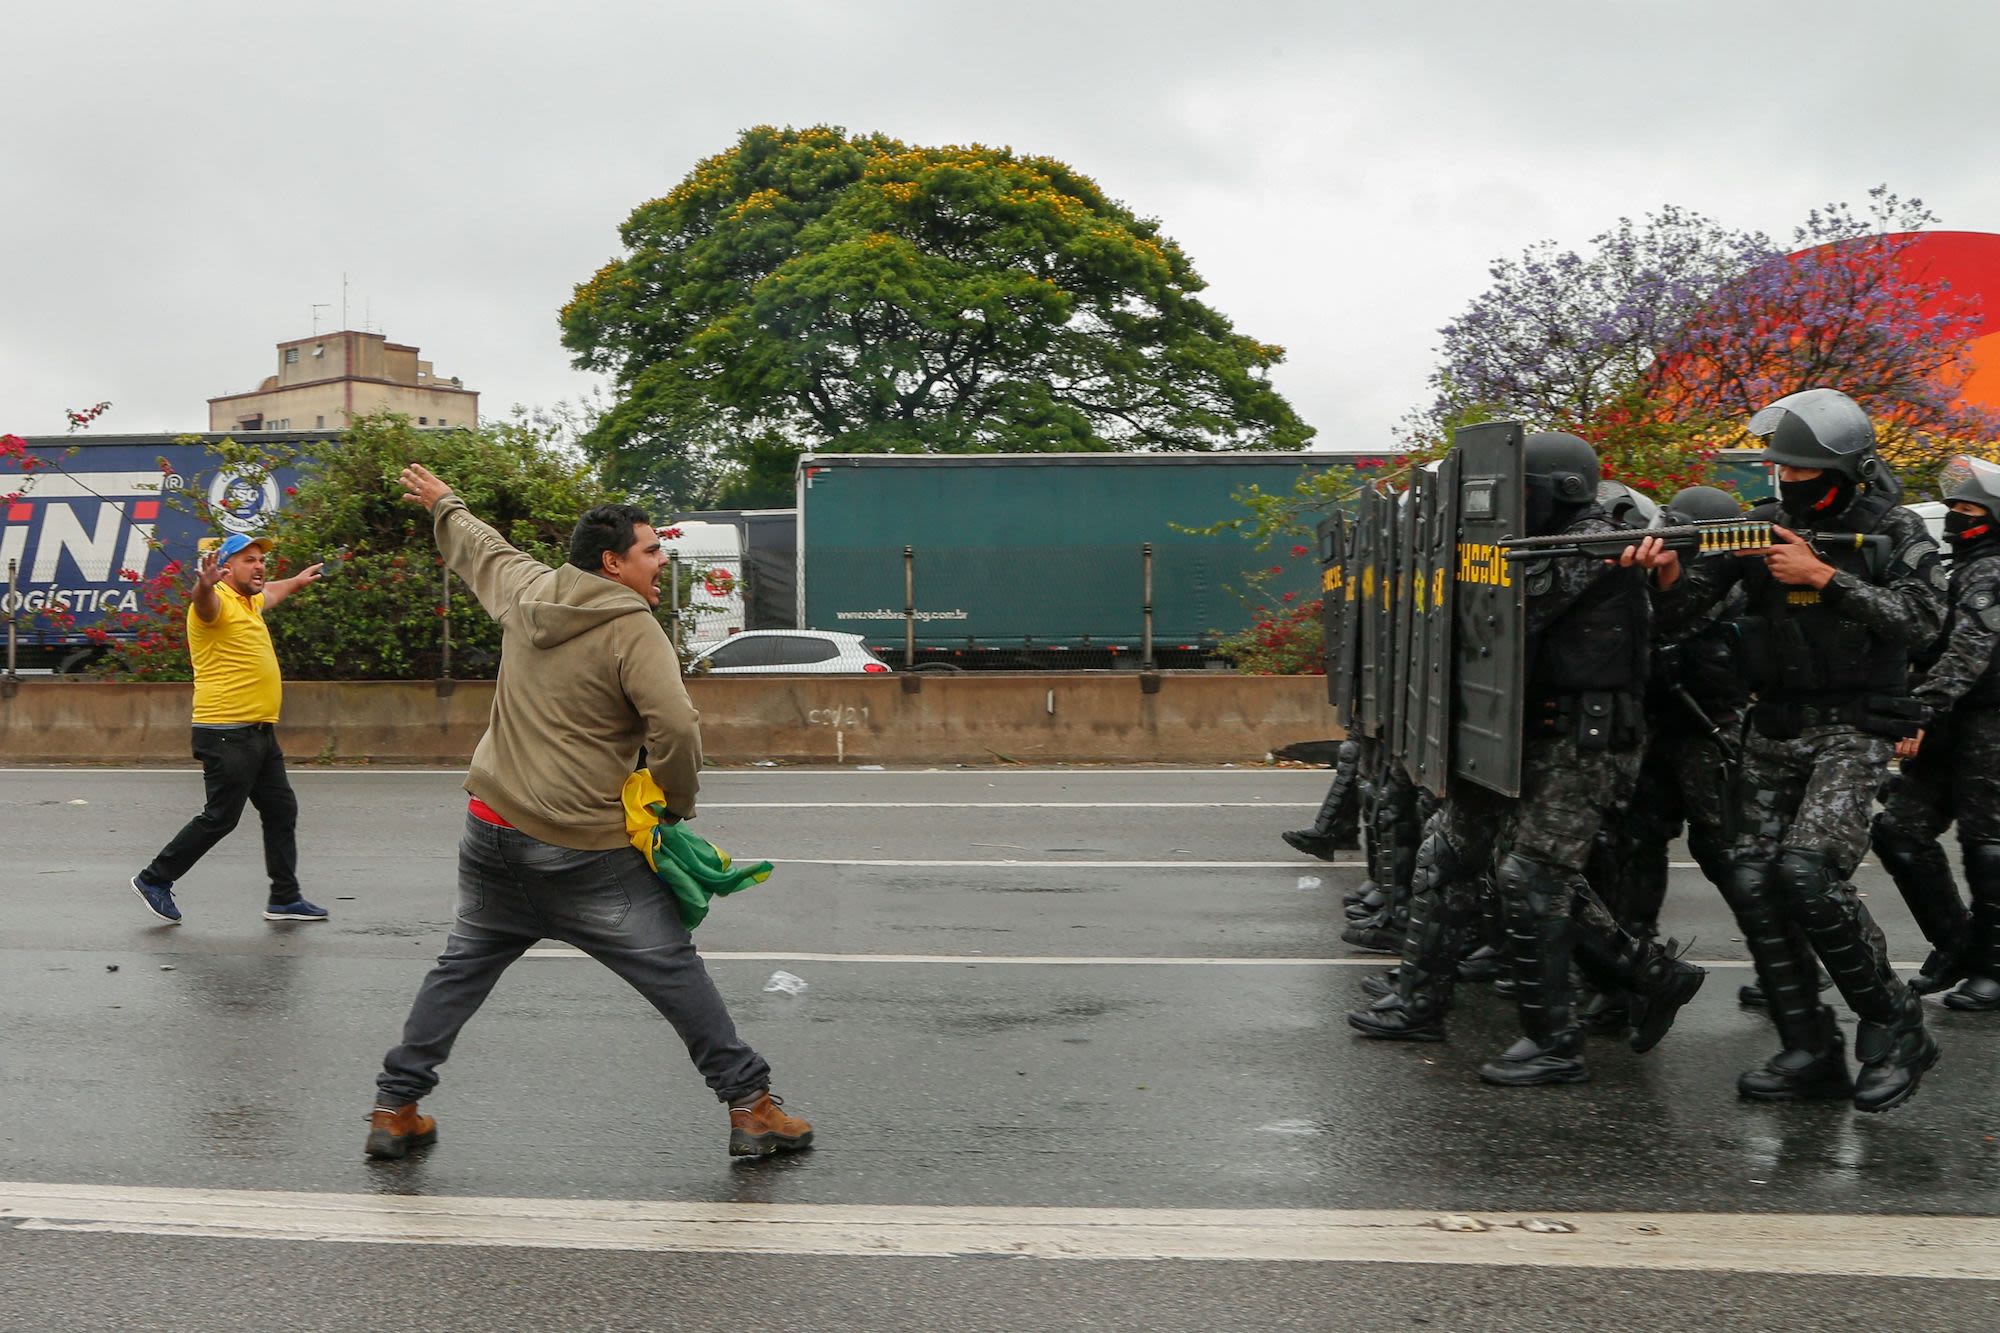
x,y
761,1128
392,1133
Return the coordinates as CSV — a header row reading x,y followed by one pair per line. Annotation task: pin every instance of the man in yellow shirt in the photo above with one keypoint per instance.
x,y
237,693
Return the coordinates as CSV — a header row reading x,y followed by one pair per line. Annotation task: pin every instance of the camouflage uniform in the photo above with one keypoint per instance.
x,y
1814,759
1544,837
1955,776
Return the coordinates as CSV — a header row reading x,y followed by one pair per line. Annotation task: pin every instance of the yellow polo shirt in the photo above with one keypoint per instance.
x,y
235,668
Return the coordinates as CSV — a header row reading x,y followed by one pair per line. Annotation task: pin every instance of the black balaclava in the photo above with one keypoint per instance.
x,y
1540,499
1807,502
1544,513
1962,532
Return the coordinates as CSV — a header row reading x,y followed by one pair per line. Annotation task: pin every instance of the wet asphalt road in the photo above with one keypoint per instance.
x,y
231,1054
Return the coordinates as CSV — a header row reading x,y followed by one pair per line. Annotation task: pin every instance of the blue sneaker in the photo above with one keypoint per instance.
x,y
159,899
298,909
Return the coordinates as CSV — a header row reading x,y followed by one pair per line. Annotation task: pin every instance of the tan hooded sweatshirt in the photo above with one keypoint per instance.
x,y
587,676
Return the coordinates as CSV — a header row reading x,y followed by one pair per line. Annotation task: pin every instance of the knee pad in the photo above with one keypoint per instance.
x,y
1982,868
1891,839
1749,884
1437,863
1807,880
1526,881
1708,851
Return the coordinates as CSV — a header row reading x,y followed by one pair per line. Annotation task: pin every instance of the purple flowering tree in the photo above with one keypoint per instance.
x,y
1660,338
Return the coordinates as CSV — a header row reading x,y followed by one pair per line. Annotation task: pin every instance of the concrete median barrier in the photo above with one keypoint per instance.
x,y
1195,717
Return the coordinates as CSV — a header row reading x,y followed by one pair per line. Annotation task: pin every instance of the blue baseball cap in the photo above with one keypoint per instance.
x,y
236,543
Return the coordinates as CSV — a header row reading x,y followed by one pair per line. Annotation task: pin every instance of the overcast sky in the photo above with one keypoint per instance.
x,y
185,180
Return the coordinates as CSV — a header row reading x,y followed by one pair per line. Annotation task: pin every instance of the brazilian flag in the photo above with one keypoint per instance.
x,y
694,869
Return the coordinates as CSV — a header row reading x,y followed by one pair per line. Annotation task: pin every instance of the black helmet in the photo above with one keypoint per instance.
x,y
1705,504
1561,478
1817,428
1971,480
1568,464
1627,507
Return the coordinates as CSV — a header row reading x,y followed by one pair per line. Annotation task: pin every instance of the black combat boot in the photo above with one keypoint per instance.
x,y
1604,1015
1316,844
1337,826
1416,1009
1812,1067
1380,933
1376,987
1893,1056
1653,981
1813,1063
1487,961
1979,993
1922,873
1537,907
1891,1044
1483,964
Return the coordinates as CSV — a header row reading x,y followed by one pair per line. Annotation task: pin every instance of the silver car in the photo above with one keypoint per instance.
x,y
787,652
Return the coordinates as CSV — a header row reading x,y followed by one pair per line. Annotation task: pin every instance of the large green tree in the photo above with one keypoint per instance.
x,y
808,289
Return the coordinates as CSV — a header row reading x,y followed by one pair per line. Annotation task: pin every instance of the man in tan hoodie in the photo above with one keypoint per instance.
x,y
587,678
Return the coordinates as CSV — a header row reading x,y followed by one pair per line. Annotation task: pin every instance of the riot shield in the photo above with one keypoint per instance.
x,y
1350,642
1433,665
1412,593
1370,555
1382,613
1397,672
1335,616
1489,610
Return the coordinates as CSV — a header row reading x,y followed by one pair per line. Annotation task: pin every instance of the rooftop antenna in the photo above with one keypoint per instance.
x,y
343,299
317,307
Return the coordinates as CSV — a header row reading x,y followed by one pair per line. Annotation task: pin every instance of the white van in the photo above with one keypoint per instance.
x,y
1932,512
710,585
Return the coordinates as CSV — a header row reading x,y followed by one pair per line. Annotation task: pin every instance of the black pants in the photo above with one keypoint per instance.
x,y
239,764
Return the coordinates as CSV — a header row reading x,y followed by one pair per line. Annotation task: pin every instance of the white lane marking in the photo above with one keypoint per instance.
x,y
1028,960
1057,865
290,772
1009,805
1099,865
1863,1246
1053,960
363,770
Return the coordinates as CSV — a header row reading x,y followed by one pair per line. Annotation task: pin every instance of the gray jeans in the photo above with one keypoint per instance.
x,y
515,891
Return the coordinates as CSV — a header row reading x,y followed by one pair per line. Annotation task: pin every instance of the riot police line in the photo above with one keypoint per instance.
x,y
1544,676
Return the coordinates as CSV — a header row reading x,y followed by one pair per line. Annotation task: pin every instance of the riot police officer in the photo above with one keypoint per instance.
x,y
1825,643
1588,625
1951,769
1337,825
1694,703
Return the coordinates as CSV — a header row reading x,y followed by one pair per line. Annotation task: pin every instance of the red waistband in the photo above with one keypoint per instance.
x,y
483,812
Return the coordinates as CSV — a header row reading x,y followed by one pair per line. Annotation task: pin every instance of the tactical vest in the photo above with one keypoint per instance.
x,y
1985,692
1797,648
1599,643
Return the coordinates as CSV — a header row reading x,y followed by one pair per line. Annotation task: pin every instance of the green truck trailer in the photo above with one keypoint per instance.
x,y
1035,560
